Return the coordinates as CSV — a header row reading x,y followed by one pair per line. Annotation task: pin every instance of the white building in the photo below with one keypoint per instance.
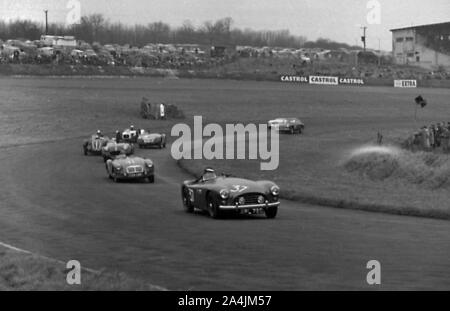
x,y
426,46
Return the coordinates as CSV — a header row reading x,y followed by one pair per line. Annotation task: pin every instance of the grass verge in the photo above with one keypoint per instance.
x,y
25,272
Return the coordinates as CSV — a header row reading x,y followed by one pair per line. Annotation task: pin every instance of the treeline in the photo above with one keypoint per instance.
x,y
96,28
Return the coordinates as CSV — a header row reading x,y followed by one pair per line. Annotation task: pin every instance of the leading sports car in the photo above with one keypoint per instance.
x,y
291,125
94,145
217,194
147,139
125,167
113,148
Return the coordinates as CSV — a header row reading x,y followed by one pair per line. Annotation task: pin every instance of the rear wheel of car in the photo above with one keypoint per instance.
x,y
115,179
213,207
292,130
187,201
85,151
271,212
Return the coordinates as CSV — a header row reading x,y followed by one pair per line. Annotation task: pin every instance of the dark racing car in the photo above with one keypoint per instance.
x,y
125,167
113,148
219,194
290,125
94,145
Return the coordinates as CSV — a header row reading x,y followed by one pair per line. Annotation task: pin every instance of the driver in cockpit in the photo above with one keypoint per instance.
x,y
209,174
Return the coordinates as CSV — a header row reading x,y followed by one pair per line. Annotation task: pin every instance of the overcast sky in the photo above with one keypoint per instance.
x,y
335,19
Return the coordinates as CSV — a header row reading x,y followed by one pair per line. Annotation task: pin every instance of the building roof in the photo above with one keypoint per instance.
x,y
423,26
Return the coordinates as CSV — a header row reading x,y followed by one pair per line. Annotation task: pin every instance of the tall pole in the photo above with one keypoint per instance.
x,y
46,22
363,39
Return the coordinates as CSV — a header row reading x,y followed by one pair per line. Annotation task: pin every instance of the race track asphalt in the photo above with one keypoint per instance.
x,y
59,203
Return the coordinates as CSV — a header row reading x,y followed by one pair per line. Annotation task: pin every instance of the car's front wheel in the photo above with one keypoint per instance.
x,y
271,212
187,201
213,207
151,179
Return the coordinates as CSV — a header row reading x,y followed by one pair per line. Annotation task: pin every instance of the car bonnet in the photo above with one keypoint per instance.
x,y
130,161
239,186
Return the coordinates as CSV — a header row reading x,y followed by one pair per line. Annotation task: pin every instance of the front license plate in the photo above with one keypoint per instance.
x,y
135,175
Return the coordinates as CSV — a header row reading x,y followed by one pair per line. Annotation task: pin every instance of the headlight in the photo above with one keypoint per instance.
x,y
261,199
275,190
149,164
224,194
117,168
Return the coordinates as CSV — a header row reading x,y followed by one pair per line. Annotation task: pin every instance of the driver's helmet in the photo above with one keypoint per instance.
x,y
132,127
99,133
209,174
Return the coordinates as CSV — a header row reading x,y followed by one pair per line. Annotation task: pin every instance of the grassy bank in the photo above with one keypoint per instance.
x,y
245,70
22,271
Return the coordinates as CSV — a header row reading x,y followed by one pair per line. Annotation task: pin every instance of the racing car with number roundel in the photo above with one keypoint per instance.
x,y
147,139
94,145
113,149
219,194
133,167
290,125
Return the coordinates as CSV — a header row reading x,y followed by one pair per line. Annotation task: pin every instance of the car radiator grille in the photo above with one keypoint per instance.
x,y
250,198
135,169
115,152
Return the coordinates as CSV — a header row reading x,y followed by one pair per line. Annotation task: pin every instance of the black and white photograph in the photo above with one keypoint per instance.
x,y
240,147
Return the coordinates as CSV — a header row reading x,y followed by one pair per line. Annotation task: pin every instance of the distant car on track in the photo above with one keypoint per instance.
x,y
290,125
218,194
130,167
94,145
130,135
147,139
113,149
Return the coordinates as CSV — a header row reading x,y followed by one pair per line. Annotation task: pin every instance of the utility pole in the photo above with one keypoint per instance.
x,y
46,22
363,38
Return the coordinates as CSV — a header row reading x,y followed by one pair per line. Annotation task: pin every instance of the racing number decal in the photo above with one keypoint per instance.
x,y
238,188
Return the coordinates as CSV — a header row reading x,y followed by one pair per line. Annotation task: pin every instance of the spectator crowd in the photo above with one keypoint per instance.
x,y
435,137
